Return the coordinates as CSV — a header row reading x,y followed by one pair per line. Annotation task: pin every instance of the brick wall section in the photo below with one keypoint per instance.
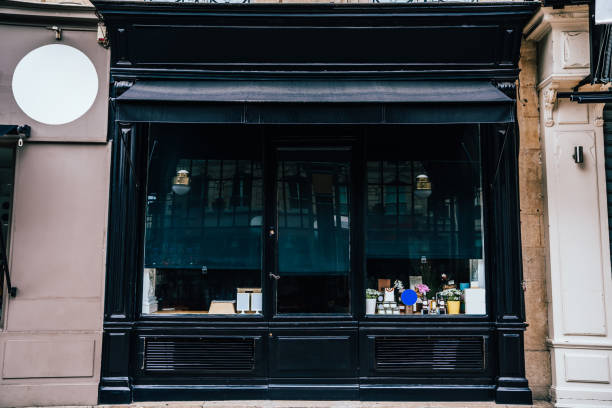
x,y
533,225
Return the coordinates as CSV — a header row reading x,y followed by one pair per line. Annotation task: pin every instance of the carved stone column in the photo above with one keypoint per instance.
x,y
579,276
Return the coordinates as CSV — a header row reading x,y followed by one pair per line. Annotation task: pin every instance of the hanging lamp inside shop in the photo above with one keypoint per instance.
x,y
423,186
181,183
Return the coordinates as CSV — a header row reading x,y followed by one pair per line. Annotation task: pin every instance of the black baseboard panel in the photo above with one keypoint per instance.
x,y
114,395
372,392
199,392
386,392
506,395
316,392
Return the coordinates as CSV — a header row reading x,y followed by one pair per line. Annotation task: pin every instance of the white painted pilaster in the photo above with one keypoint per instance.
x,y
579,272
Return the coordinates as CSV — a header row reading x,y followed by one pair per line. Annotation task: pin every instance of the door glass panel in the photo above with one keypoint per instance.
x,y
313,237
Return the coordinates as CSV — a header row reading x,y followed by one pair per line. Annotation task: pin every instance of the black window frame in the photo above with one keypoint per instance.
x,y
358,273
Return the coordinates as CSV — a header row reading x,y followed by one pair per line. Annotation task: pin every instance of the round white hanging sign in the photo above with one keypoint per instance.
x,y
55,84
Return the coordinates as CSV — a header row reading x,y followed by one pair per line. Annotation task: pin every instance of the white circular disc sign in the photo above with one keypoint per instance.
x,y
55,84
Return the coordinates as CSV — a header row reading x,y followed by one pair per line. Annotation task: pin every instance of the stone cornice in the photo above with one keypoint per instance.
x,y
547,18
20,12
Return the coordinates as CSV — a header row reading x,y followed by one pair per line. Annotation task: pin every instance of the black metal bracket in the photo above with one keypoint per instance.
x,y
587,97
12,290
14,132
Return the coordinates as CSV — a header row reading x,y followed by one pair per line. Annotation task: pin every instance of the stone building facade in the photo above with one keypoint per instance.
x,y
565,217
50,341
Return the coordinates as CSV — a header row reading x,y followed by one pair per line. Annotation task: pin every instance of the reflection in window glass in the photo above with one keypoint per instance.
x,y
7,173
313,237
203,226
424,226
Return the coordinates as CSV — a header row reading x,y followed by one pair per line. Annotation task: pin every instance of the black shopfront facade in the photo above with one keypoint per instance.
x,y
283,174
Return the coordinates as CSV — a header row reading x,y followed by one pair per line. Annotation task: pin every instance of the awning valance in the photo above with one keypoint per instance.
x,y
315,102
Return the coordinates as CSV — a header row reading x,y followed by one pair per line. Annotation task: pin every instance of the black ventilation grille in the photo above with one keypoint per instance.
x,y
430,353
199,355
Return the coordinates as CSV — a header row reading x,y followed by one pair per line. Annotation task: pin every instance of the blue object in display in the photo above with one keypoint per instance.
x,y
409,297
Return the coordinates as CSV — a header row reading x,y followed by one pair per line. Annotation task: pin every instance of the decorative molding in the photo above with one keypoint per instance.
x,y
598,108
578,345
550,100
121,87
508,88
575,49
574,18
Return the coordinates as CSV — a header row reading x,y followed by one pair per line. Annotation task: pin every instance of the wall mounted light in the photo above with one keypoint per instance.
x,y
578,155
181,183
423,186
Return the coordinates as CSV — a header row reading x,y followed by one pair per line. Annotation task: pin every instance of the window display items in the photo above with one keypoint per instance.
x,y
453,300
383,283
409,297
222,307
256,301
389,295
243,301
422,290
475,301
414,281
371,298
398,285
248,300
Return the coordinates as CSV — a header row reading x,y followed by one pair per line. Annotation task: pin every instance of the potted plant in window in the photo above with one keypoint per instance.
x,y
453,300
371,296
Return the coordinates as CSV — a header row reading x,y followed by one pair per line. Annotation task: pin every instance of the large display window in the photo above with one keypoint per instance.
x,y
424,224
203,229
423,230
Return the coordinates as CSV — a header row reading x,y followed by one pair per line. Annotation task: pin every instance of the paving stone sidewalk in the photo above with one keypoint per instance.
x,y
322,404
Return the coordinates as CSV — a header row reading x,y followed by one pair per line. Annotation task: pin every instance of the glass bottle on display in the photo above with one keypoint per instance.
x,y
442,307
425,309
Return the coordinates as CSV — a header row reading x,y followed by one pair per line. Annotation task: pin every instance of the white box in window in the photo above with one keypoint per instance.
x,y
256,302
243,302
475,301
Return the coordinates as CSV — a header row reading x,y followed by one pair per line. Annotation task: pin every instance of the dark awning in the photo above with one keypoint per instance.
x,y
315,101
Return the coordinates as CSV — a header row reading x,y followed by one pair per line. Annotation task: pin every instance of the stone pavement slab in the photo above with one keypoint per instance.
x,y
319,404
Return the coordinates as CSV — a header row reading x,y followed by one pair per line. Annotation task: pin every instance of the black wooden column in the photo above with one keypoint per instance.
x,y
506,263
123,258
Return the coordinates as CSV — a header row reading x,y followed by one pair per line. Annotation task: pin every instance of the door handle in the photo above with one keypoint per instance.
x,y
273,276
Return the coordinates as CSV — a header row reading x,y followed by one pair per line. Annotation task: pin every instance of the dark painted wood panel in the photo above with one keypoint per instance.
x,y
482,40
315,45
303,355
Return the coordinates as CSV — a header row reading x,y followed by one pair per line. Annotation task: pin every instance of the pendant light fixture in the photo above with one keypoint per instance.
x,y
423,186
181,183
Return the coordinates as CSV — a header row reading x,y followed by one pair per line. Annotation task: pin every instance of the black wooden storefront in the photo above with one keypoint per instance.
x,y
168,59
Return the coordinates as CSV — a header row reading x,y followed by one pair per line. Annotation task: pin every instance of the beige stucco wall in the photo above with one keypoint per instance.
x,y
51,333
51,344
17,40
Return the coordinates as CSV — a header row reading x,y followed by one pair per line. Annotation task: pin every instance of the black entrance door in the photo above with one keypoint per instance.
x,y
313,332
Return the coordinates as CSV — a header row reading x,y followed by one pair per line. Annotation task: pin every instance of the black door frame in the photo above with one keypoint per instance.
x,y
311,373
